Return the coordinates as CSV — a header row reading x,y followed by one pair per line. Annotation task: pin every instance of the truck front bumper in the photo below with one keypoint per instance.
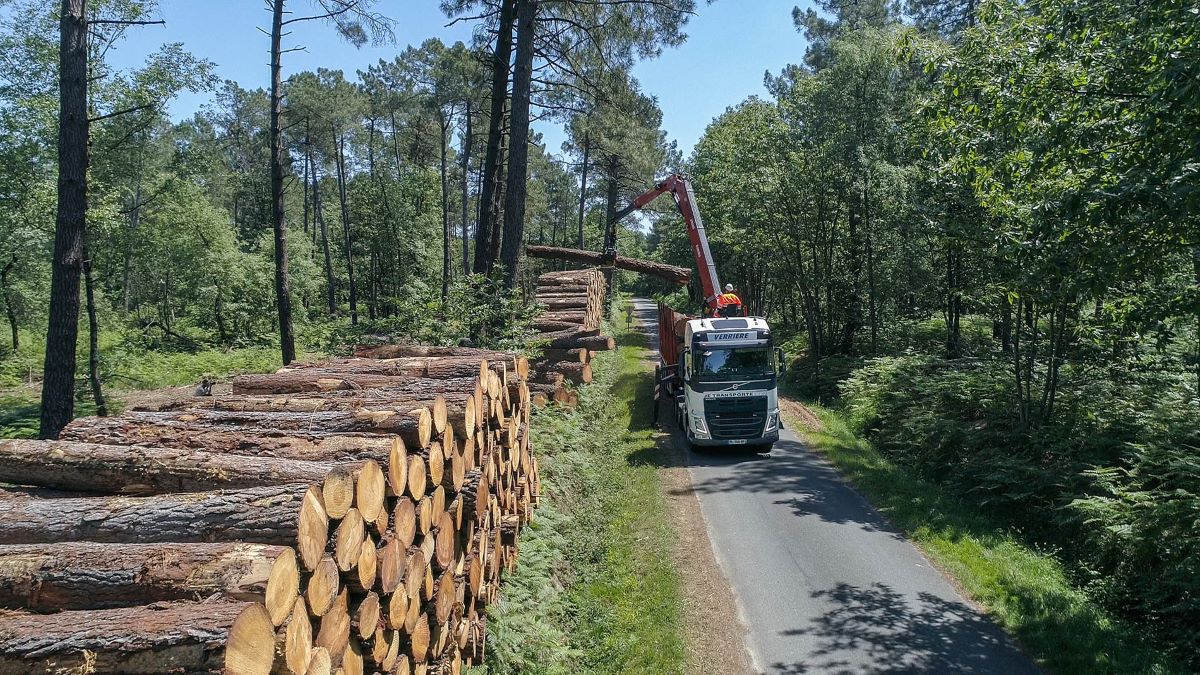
x,y
769,437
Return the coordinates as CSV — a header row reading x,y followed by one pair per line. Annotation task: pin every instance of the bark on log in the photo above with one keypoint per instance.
x,y
306,446
556,355
438,368
112,469
577,373
552,325
679,276
408,351
89,575
596,343
567,339
450,407
588,277
158,638
560,304
339,376
414,426
573,316
266,515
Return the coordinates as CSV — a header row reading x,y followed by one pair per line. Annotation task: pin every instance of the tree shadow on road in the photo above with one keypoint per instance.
x,y
877,630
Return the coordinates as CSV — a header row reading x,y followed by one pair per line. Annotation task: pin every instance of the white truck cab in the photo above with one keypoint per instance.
x,y
728,395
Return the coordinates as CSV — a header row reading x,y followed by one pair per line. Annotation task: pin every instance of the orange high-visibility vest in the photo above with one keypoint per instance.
x,y
726,299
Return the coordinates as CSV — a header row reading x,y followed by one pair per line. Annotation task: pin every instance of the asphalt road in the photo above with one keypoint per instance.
x,y
824,583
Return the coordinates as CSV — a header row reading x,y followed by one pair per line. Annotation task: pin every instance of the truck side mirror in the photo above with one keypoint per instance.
x,y
780,363
685,365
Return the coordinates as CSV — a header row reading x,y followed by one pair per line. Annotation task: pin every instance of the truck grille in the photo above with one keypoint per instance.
x,y
736,418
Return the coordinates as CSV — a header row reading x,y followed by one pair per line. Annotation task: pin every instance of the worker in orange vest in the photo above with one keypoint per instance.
x,y
728,303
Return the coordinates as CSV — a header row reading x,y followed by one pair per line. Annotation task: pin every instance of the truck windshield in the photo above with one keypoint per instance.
x,y
734,364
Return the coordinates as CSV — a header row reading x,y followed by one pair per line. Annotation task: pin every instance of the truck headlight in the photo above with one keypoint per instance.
x,y
698,426
773,420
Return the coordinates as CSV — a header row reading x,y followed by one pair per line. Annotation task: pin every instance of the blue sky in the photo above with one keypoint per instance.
x,y
731,44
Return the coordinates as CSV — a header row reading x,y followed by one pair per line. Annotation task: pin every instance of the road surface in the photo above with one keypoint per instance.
x,y
823,583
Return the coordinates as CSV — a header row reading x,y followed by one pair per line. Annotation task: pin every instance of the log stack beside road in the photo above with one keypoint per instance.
x,y
311,524
571,326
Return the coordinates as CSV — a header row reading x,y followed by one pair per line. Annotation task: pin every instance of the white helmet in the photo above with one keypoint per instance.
x,y
728,288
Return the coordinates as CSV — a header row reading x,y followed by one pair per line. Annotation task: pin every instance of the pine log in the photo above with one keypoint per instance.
x,y
551,325
577,373
88,575
570,315
567,277
406,351
111,469
563,287
596,343
428,367
561,304
275,384
316,446
415,426
568,339
555,355
679,276
158,638
353,375
264,515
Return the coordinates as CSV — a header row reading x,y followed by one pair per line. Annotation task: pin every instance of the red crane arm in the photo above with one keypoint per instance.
x,y
681,189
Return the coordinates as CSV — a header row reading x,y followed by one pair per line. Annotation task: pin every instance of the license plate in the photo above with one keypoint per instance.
x,y
738,441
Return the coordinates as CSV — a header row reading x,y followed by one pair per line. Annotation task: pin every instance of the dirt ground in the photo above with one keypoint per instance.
x,y
713,630
798,411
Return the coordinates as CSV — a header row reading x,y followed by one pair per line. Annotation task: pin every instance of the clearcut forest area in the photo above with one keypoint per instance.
x,y
362,336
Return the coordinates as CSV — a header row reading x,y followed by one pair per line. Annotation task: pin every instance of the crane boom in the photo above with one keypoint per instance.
x,y
681,190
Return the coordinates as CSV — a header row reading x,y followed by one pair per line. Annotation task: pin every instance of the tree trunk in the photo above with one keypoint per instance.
x,y
116,469
135,217
283,290
58,385
93,338
170,637
85,575
466,172
494,159
587,150
446,257
9,310
319,216
349,242
518,161
264,515
679,276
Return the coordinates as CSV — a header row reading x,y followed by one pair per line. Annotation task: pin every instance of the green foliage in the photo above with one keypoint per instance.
x,y
1113,484
479,312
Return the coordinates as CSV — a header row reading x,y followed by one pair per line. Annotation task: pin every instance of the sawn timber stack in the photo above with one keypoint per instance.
x,y
360,529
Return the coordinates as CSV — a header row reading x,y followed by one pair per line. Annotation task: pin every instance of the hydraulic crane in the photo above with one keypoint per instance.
x,y
681,190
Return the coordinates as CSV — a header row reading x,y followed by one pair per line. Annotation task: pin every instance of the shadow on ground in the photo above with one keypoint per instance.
x,y
889,633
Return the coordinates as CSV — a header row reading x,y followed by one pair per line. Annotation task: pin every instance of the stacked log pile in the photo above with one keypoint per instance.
x,y
571,326
343,528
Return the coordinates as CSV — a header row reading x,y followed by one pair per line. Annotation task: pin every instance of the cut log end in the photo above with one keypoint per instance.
x,y
250,649
283,586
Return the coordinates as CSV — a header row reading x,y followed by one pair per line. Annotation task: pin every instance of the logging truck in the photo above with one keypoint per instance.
x,y
720,374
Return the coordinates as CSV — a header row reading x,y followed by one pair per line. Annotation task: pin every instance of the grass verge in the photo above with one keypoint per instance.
x,y
596,590
1027,591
